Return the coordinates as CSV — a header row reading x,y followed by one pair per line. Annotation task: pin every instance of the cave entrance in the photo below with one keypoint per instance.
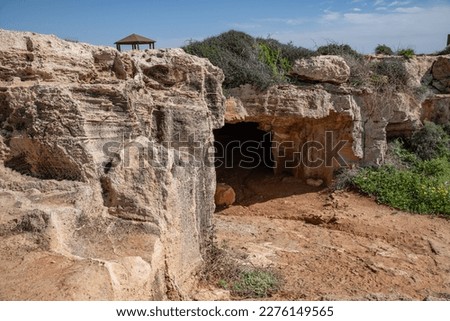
x,y
244,146
243,156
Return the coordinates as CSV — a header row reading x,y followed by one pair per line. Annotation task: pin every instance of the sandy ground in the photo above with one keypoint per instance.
x,y
334,246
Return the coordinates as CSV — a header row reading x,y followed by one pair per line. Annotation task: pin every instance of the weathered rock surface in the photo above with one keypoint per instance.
x,y
441,74
307,124
106,182
331,69
308,121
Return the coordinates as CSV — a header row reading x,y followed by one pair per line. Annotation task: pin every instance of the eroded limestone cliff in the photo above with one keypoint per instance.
x,y
106,183
107,174
326,108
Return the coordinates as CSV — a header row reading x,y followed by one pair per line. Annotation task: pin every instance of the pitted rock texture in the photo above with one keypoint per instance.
x,y
332,110
331,69
441,74
106,179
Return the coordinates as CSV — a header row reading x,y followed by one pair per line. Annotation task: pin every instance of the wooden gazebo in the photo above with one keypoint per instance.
x,y
134,41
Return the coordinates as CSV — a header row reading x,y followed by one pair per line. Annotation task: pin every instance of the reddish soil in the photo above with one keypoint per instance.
x,y
333,245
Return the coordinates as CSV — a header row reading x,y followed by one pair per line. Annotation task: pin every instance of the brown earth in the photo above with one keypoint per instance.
x,y
333,245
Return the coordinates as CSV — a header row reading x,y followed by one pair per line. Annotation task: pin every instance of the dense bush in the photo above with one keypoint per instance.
x,y
338,50
235,53
247,60
394,71
431,142
263,62
383,50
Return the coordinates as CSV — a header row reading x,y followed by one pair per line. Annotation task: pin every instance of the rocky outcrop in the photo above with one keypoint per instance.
x,y
106,182
309,122
436,106
107,179
331,69
441,74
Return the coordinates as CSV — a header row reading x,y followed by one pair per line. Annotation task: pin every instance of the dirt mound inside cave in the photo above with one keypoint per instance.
x,y
333,246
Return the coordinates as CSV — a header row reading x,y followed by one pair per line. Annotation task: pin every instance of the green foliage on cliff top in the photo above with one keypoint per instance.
x,y
263,62
248,60
384,50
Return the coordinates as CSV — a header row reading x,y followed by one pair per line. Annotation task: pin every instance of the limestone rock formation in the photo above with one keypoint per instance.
x,y
308,121
308,124
441,74
331,69
106,181
107,178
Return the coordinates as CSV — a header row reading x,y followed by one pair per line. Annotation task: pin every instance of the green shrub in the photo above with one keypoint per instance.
x,y
237,55
383,50
409,190
344,177
226,271
401,157
407,53
338,50
411,182
273,58
446,128
389,185
431,142
288,51
394,70
256,283
247,60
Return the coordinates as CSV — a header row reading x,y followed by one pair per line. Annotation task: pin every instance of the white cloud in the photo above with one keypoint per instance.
x,y
259,24
245,26
423,30
408,10
398,3
381,8
379,3
356,9
286,21
330,16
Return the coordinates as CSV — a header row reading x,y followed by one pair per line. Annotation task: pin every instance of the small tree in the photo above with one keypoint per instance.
x,y
383,50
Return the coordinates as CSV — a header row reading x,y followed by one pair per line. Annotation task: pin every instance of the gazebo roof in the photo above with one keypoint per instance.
x,y
134,39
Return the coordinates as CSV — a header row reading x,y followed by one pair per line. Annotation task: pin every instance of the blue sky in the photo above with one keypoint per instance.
x,y
422,25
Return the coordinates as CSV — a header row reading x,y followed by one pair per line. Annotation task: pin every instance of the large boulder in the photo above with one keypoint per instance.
x,y
225,195
331,69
